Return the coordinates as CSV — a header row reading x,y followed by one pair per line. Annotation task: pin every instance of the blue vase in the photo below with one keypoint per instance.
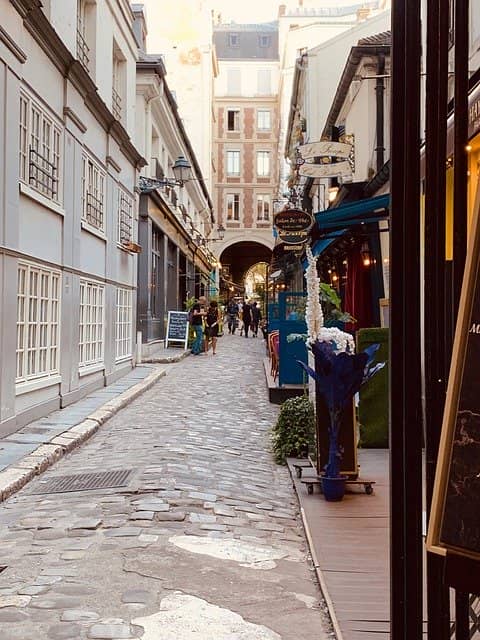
x,y
333,488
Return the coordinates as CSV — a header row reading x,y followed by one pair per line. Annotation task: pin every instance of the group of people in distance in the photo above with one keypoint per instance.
x,y
204,322
244,316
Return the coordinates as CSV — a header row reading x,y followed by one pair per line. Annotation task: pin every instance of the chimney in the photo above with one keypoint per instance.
x,y
140,26
282,10
362,14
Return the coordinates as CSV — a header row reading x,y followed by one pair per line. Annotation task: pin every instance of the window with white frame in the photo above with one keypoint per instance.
x,y
234,82
123,324
264,120
118,81
263,163
233,207
264,81
91,323
125,221
83,50
263,207
40,149
93,194
233,163
38,322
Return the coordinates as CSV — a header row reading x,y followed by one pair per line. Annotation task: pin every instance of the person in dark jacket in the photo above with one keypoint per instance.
x,y
247,317
256,317
232,315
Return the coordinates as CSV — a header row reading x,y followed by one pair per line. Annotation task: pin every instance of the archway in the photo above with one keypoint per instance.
x,y
237,260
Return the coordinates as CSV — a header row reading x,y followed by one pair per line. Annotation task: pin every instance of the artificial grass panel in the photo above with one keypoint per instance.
x,y
373,406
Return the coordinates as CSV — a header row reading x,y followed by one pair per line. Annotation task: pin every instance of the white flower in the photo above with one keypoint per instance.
x,y
341,341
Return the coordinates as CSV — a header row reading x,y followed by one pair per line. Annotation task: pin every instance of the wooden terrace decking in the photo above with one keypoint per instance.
x,y
350,545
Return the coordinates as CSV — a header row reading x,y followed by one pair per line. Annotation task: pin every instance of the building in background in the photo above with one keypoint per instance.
x,y
245,143
68,176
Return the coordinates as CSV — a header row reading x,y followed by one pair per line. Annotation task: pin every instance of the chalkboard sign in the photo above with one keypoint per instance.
x,y
177,327
454,527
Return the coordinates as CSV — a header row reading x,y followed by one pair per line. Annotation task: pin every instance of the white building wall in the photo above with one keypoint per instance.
x,y
248,71
50,236
325,67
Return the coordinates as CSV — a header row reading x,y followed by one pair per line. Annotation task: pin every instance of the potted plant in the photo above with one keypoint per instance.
x,y
293,435
339,373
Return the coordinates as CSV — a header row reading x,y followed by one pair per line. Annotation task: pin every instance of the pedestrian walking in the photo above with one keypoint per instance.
x,y
240,317
196,320
247,317
256,317
211,327
232,312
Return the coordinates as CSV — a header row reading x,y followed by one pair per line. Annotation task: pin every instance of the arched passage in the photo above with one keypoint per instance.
x,y
238,258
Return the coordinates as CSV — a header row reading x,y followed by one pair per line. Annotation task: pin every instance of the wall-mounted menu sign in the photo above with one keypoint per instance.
x,y
454,527
177,327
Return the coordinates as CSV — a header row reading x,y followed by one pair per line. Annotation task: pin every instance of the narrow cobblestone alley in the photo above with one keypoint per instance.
x,y
204,541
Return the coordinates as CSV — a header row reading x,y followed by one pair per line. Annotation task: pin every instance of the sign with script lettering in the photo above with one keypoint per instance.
x,y
454,527
328,170
293,225
325,148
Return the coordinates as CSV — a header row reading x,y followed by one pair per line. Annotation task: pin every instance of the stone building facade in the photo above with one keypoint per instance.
x,y
68,213
245,131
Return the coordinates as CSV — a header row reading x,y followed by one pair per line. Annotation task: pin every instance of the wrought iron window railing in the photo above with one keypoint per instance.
x,y
42,174
83,49
116,104
125,220
94,211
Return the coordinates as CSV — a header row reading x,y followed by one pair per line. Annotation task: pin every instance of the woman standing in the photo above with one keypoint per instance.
x,y
211,326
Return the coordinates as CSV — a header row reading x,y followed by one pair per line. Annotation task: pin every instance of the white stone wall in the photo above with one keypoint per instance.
x,y
48,234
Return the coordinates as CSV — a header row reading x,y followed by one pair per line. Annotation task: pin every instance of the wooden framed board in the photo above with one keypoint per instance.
x,y
454,527
177,328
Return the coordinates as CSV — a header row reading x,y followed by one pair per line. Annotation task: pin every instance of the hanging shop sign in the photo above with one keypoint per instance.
x,y
293,220
293,237
284,247
474,118
327,170
293,225
325,148
454,527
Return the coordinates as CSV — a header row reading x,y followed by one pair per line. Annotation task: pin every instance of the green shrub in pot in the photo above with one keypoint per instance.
x,y
293,435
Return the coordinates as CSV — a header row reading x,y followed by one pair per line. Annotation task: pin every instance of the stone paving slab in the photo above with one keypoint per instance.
x,y
170,552
70,428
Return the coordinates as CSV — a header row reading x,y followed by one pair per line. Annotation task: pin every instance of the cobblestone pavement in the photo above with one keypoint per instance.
x,y
204,541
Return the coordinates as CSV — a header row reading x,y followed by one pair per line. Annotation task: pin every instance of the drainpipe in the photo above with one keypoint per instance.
x,y
380,90
378,290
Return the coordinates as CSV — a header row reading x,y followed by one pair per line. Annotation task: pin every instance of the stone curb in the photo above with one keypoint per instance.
x,y
18,475
167,359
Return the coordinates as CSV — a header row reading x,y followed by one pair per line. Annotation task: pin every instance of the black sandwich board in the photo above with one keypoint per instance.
x,y
177,328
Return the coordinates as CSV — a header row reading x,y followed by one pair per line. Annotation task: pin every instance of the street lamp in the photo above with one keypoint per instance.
x,y
182,172
220,233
